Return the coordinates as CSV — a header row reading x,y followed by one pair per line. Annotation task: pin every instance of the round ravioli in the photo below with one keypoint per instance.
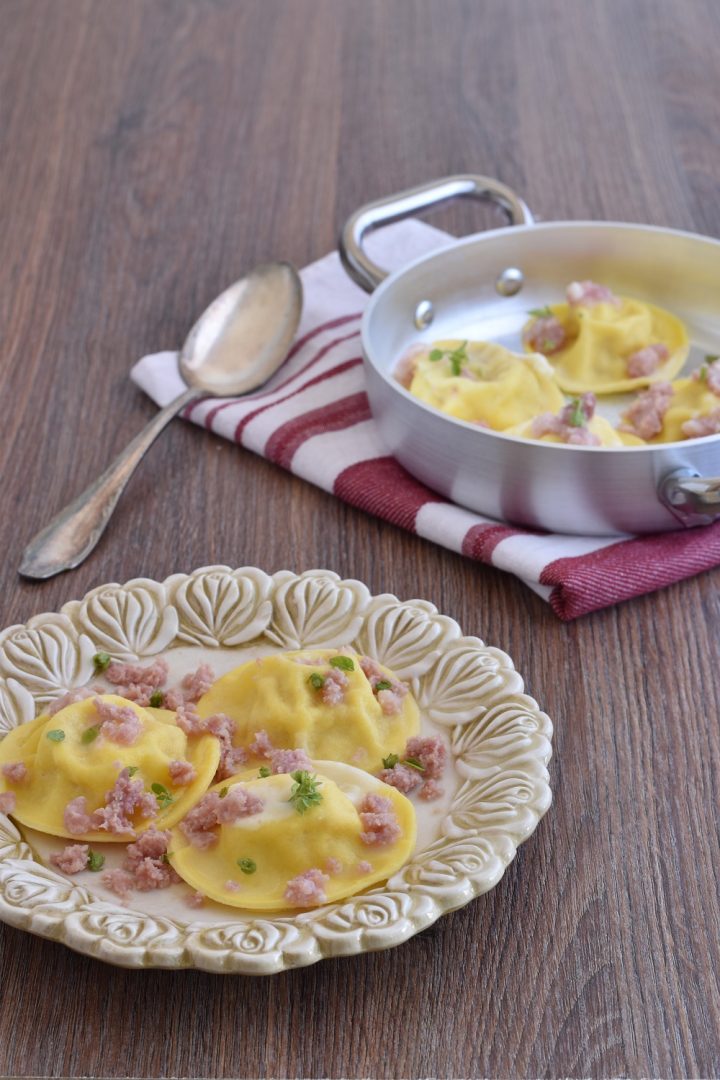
x,y
276,857
318,701
601,340
80,757
598,425
485,383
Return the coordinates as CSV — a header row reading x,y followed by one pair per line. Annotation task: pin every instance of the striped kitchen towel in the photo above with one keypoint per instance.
x,y
313,419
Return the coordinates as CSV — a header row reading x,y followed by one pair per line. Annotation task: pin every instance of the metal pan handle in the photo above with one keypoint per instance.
x,y
368,274
691,498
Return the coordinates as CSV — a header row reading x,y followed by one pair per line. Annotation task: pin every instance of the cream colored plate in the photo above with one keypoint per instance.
x,y
496,783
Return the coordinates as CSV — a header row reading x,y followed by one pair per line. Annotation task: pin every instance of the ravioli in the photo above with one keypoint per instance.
x,y
601,428
484,383
278,846
68,757
287,696
691,400
600,339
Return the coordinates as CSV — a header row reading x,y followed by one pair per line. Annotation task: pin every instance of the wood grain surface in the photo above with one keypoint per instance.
x,y
150,152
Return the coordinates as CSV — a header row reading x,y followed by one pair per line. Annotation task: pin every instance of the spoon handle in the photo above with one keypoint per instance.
x,y
74,532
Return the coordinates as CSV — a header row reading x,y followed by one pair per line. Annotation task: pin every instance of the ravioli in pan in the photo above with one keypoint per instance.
x,y
684,409
334,706
293,840
481,382
577,425
606,344
103,769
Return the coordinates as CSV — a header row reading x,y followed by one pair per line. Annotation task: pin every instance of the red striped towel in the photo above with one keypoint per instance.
x,y
313,419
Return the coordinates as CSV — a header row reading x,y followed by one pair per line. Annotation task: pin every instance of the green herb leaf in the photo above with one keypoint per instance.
x,y
166,857
89,735
414,763
222,792
316,680
436,354
56,735
157,699
248,866
709,359
548,345
577,416
164,797
264,771
304,792
390,761
455,364
703,373
95,861
541,312
101,661
132,769
383,685
342,662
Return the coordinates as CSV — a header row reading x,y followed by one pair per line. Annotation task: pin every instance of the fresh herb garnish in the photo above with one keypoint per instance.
x,y
549,345
342,662
390,761
709,359
436,354
162,794
222,792
703,373
414,763
89,735
132,769
316,680
101,661
248,866
264,771
383,685
56,735
157,699
577,415
166,857
304,792
457,357
95,861
541,312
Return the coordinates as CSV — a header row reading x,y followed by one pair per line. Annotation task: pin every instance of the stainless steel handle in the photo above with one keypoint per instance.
x,y
691,498
74,532
368,274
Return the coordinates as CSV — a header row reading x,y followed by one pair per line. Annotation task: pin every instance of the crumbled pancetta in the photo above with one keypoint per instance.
x,y
645,416
119,723
137,683
119,881
589,293
431,790
233,886
402,777
377,817
545,334
333,688
646,361
70,698
431,752
287,761
364,867
8,800
72,859
231,757
146,861
570,424
702,425
195,900
212,810
333,865
198,682
307,889
187,719
181,773
76,818
709,373
238,803
15,771
125,798
390,699
261,746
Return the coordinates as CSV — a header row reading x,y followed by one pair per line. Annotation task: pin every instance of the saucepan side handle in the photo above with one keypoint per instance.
x,y
368,274
691,498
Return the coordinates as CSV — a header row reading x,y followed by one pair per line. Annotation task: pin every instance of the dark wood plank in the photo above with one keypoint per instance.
x,y
152,151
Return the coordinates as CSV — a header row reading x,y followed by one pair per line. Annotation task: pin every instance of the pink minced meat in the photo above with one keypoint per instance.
x,y
364,867
333,689
198,682
431,790
589,293
402,777
545,334
72,859
702,425
200,823
261,746
8,800
231,757
119,881
378,820
562,424
125,798
145,861
70,698
174,700
119,723
646,361
645,416
390,700
76,819
233,886
181,773
238,803
287,761
307,889
15,771
333,865
137,683
188,720
431,752
195,900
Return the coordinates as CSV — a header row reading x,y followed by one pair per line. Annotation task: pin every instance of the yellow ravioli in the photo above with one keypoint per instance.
x,y
276,695
495,388
282,843
605,432
601,338
62,769
691,399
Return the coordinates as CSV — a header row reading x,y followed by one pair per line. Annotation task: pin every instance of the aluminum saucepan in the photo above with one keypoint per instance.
x,y
481,288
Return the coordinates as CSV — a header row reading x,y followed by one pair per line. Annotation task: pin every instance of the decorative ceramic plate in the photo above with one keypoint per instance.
x,y
496,783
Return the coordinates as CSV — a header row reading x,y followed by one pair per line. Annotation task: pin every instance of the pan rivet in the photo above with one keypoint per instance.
x,y
510,281
424,314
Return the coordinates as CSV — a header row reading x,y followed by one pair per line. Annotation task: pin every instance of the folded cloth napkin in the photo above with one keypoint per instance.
x,y
313,419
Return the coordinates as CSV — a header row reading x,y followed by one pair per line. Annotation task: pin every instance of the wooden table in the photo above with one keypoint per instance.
x,y
150,152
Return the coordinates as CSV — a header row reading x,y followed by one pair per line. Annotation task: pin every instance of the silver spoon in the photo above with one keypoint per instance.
x,y
238,342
